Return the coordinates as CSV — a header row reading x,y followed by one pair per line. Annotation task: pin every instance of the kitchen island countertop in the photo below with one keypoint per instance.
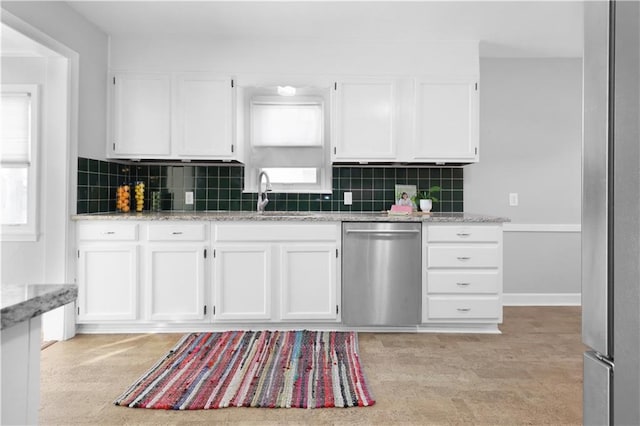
x,y
309,216
21,302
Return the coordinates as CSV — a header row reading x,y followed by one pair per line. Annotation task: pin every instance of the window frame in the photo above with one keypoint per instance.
x,y
314,95
30,230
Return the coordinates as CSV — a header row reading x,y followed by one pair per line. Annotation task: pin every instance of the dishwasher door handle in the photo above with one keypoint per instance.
x,y
383,231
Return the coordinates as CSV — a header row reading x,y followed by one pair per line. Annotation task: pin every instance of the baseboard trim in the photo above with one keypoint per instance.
x,y
542,299
542,227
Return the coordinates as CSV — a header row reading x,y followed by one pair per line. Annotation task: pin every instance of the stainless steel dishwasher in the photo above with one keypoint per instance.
x,y
381,273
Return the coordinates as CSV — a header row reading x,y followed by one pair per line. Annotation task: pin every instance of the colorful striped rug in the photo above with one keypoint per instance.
x,y
275,369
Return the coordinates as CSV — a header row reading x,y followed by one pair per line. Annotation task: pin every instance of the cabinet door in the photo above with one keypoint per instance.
x,y
107,282
175,282
141,115
242,282
446,121
308,282
204,106
365,120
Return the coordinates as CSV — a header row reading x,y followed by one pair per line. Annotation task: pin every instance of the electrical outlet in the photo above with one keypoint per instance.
x,y
188,197
348,198
513,199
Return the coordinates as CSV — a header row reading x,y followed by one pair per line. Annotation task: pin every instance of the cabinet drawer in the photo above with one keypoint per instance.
x,y
474,234
463,257
111,231
271,232
177,232
463,307
462,282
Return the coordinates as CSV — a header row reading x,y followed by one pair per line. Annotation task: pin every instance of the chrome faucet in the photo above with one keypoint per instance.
x,y
262,203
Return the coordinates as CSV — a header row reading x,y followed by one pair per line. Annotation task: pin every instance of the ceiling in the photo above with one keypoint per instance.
x,y
505,28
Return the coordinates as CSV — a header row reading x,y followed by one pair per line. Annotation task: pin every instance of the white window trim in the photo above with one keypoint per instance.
x,y
28,231
315,95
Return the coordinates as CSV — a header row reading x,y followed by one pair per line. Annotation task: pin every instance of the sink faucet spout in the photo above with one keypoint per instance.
x,y
262,196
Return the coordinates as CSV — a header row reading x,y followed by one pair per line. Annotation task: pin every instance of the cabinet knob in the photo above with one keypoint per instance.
x,y
464,309
463,284
176,233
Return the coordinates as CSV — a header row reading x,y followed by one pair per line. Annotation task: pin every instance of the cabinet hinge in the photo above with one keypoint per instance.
x,y
337,310
114,80
232,83
232,148
205,309
335,85
205,256
476,86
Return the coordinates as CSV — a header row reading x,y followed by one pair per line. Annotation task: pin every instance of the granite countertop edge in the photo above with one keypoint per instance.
x,y
26,301
292,216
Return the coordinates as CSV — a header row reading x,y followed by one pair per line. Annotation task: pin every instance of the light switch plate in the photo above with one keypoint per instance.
x,y
513,199
188,197
348,198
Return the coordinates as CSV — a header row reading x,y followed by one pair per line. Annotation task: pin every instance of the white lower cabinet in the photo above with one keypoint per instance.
x,y
242,282
175,271
276,272
107,272
108,282
308,283
175,282
463,274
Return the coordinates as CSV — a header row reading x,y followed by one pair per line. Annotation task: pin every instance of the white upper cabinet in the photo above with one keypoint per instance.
x,y
141,115
446,121
204,119
172,116
365,120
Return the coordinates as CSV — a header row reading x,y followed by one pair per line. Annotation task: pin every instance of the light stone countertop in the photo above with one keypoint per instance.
x,y
311,216
21,302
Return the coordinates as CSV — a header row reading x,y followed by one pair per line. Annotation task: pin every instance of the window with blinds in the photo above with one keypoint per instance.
x,y
18,169
288,140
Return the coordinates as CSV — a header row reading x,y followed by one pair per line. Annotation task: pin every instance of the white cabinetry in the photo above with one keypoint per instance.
x,y
308,282
242,282
175,272
446,120
365,120
463,275
141,115
204,117
107,271
172,116
276,272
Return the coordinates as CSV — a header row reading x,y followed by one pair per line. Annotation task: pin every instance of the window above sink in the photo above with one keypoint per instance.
x,y
287,137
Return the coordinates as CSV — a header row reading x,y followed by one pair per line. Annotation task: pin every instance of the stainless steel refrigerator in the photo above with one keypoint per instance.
x,y
611,213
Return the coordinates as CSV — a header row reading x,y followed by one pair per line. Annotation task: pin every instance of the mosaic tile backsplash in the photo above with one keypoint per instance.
x,y
219,187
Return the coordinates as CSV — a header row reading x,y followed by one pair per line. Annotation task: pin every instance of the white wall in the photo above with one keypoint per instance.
x,y
75,110
66,26
291,56
24,261
530,139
